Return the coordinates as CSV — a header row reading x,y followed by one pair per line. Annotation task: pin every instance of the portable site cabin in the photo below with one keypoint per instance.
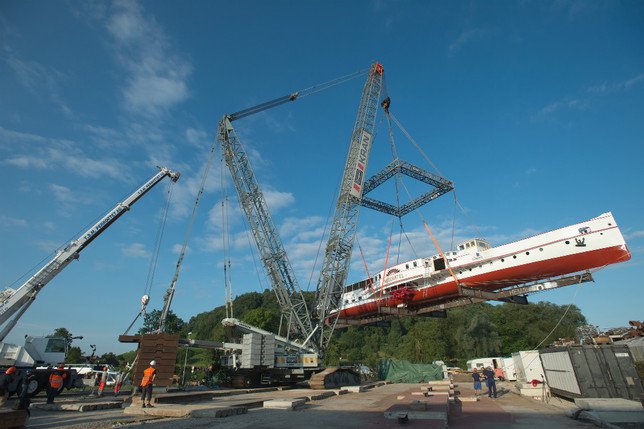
x,y
503,367
527,366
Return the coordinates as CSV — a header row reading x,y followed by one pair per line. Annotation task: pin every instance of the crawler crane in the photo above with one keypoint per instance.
x,y
311,329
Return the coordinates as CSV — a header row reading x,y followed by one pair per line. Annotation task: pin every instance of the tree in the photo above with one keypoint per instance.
x,y
173,323
74,355
109,358
263,318
479,338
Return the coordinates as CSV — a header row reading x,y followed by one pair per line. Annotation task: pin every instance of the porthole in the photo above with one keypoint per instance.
x,y
540,249
601,233
527,253
610,224
514,256
567,242
470,269
502,260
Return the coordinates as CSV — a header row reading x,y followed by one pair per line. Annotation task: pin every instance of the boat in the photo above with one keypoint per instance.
x,y
476,264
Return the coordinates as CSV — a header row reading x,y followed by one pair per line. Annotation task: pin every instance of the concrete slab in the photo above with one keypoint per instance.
x,y
285,404
354,389
608,404
468,398
320,396
403,412
622,417
78,406
179,411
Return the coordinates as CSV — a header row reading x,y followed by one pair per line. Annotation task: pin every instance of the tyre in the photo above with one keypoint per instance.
x,y
33,388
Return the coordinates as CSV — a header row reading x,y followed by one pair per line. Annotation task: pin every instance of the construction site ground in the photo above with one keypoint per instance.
x,y
352,409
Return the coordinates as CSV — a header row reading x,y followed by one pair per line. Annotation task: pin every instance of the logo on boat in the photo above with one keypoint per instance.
x,y
581,242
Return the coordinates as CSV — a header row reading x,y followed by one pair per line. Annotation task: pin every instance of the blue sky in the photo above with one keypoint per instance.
x,y
532,108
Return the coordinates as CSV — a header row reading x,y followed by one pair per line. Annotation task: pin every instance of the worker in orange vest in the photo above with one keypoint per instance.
x,y
147,383
56,382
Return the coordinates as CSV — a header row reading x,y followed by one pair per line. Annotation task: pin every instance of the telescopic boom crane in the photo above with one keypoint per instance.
x,y
16,302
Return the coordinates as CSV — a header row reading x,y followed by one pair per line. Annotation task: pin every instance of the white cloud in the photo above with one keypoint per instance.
x,y
7,222
136,250
302,228
156,75
56,154
277,200
197,138
63,195
48,245
466,37
176,249
607,88
37,79
565,104
629,235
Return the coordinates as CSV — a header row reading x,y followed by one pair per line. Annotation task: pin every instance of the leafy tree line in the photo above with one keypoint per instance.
x,y
477,330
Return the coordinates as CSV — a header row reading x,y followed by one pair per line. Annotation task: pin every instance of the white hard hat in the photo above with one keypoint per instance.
x,y
153,363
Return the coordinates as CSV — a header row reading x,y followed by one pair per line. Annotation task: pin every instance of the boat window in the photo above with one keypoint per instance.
x,y
415,265
439,264
461,247
406,266
467,245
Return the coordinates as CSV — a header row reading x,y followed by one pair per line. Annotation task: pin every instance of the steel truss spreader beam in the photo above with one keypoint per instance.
x,y
337,253
440,186
271,250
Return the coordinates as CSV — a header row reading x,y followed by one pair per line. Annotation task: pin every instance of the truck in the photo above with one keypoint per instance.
x,y
39,354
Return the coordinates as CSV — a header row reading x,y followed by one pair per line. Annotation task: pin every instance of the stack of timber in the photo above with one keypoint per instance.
x,y
159,347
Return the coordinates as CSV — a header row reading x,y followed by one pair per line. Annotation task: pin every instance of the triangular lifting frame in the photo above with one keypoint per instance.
x,y
439,185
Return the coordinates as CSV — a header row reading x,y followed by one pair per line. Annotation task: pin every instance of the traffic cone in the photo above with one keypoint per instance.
x,y
102,385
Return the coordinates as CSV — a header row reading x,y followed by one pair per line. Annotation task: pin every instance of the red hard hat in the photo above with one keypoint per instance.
x,y
10,370
61,366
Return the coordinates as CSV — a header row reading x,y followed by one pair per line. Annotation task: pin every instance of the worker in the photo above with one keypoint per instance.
x,y
25,400
56,382
477,381
489,381
147,383
5,381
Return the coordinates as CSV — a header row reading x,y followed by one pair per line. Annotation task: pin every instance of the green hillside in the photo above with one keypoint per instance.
x,y
476,330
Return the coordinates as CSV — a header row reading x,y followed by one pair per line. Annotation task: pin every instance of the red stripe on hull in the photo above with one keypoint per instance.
x,y
499,279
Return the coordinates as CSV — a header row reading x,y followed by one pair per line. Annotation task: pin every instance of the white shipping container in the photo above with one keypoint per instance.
x,y
561,374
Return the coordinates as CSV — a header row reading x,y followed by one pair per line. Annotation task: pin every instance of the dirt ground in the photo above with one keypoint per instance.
x,y
354,410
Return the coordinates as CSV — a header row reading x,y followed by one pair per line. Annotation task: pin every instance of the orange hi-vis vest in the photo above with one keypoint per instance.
x,y
148,376
56,379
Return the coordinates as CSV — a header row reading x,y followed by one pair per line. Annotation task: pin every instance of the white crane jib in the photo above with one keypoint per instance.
x,y
13,303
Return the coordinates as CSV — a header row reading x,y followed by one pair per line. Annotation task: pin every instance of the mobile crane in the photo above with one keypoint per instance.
x,y
312,329
14,303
